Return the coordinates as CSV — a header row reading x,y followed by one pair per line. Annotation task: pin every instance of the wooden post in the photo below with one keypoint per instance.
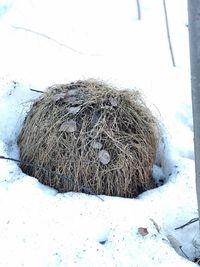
x,y
194,40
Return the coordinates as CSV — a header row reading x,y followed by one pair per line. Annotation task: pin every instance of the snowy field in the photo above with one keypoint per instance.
x,y
47,42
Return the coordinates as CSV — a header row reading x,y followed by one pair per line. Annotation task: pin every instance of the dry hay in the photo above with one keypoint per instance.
x,y
101,139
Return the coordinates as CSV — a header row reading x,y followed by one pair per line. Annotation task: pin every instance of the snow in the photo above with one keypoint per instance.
x,y
46,42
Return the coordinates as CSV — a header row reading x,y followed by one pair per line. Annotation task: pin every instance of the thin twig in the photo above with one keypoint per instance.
x,y
188,223
155,224
183,252
138,9
168,34
83,188
37,91
36,166
47,37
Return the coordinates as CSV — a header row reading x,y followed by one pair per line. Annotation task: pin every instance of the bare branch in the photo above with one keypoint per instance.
x,y
186,256
47,37
188,223
37,91
168,34
138,9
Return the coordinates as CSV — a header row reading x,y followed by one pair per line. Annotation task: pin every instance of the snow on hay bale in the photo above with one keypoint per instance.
x,y
100,139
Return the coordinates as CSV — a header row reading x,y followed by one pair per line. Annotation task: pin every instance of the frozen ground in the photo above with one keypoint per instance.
x,y
46,42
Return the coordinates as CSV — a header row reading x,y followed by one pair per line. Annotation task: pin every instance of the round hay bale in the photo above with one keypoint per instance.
x,y
102,140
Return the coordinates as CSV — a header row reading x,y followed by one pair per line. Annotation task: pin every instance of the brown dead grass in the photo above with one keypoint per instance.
x,y
102,139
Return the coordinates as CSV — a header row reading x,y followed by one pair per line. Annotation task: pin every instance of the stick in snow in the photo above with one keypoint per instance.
x,y
176,245
138,9
37,91
168,34
188,223
47,37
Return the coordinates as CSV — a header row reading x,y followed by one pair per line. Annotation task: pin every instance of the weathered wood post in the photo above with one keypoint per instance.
x,y
194,41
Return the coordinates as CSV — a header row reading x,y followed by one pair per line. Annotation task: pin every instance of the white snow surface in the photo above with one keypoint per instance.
x,y
58,41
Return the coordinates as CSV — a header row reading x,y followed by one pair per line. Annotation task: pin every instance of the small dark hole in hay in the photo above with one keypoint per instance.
x,y
109,146
161,181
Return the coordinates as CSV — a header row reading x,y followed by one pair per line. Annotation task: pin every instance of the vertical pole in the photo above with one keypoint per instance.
x,y
194,40
138,9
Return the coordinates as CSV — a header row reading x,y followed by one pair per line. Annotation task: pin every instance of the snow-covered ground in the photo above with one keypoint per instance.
x,y
46,42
